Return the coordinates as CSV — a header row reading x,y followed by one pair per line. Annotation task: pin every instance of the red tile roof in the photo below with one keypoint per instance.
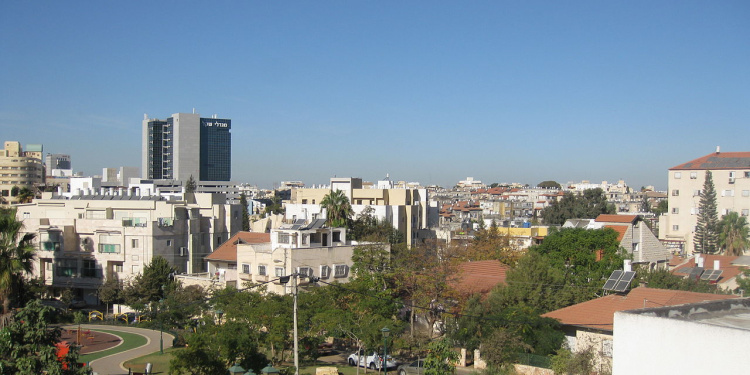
x,y
725,264
599,313
480,276
620,229
626,219
720,160
228,250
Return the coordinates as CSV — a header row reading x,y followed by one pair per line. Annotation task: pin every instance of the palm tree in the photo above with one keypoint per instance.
x,y
733,234
338,209
16,256
25,195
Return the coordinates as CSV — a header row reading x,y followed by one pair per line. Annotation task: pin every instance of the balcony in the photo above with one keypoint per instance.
x,y
51,246
106,248
163,222
134,222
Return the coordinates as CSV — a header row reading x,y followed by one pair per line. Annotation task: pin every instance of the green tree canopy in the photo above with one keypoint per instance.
x,y
16,255
440,359
587,205
338,209
245,212
27,344
706,236
549,185
152,285
733,234
190,185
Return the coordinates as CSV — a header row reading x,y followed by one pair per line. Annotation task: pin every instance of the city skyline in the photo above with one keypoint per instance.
x,y
429,92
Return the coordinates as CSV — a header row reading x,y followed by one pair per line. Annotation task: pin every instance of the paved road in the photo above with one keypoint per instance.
x,y
112,365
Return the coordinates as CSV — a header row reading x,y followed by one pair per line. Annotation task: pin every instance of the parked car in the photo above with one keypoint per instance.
x,y
373,361
78,303
414,368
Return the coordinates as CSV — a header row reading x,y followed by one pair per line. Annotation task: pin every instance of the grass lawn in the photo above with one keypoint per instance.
x,y
129,341
160,362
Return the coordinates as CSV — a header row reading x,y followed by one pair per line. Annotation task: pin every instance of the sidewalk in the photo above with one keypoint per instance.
x,y
112,364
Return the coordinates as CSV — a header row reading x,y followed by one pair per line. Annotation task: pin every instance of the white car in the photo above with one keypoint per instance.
x,y
373,361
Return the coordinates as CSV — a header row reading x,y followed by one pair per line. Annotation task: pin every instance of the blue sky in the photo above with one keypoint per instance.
x,y
427,91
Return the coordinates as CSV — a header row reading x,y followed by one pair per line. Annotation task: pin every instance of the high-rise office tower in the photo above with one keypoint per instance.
x,y
58,165
187,145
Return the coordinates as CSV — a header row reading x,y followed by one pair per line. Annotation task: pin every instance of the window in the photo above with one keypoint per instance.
x,y
169,242
678,175
675,227
746,193
745,212
325,272
696,193
675,210
280,271
89,268
675,193
262,270
305,271
747,174
340,270
636,246
67,267
134,243
727,193
304,201
118,267
284,238
51,241
245,268
27,215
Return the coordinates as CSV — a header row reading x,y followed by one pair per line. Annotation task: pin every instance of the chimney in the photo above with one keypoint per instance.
x,y
717,264
627,266
718,149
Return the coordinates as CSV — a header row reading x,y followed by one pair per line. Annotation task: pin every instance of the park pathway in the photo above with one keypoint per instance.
x,y
112,364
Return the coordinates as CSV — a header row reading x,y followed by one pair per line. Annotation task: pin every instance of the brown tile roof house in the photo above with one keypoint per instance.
x,y
479,277
713,161
637,239
228,250
598,314
729,270
625,219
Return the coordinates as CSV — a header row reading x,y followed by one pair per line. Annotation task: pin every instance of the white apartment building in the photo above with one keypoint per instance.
x,y
86,238
262,258
408,210
731,176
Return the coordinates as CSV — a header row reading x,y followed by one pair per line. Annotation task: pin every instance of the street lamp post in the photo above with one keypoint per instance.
x,y
161,328
386,332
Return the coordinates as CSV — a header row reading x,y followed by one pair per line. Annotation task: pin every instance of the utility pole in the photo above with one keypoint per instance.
x,y
296,349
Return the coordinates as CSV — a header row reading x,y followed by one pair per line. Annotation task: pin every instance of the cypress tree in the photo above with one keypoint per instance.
x,y
245,213
706,231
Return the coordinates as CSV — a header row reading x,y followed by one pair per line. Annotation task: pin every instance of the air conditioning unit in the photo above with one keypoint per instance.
x,y
183,251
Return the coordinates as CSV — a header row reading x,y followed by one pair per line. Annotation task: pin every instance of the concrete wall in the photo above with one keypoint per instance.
x,y
654,345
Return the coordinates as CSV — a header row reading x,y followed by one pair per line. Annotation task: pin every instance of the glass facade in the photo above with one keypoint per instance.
x,y
159,135
215,150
